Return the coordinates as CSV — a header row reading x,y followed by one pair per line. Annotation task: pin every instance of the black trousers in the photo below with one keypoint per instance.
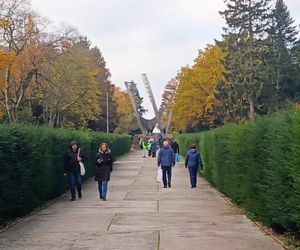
x,y
166,174
153,153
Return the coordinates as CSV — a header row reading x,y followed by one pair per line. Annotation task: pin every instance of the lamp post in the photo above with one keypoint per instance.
x,y
107,121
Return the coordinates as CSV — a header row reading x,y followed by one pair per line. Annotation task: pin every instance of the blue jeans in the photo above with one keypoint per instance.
x,y
102,188
193,175
75,181
166,174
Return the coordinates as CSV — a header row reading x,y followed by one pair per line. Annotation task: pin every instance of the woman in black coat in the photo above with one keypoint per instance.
x,y
103,170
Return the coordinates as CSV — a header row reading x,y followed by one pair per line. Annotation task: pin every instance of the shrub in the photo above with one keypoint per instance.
x,y
31,164
257,165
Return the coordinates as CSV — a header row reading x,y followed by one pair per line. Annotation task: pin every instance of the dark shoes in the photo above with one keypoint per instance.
x,y
165,186
72,199
193,186
80,195
102,198
169,184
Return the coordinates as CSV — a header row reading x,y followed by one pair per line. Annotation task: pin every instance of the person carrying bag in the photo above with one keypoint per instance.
x,y
73,160
82,168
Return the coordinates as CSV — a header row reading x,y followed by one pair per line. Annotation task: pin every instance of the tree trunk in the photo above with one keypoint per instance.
x,y
251,107
277,83
7,106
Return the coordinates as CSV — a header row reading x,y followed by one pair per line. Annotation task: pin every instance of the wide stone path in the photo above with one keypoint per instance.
x,y
139,214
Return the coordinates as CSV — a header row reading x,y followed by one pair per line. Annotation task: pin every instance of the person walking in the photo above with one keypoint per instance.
x,y
154,148
72,168
175,147
143,146
166,159
103,169
160,139
192,162
149,143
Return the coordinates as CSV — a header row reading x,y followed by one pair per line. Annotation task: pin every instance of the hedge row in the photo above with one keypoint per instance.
x,y
31,164
257,165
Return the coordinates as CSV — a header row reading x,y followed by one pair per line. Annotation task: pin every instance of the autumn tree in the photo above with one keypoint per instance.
x,y
70,94
195,98
106,95
126,119
19,37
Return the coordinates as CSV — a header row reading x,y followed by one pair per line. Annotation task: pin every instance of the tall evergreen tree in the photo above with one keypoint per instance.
x,y
247,22
138,99
282,38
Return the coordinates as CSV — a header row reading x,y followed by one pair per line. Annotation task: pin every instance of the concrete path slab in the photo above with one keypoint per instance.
x,y
140,214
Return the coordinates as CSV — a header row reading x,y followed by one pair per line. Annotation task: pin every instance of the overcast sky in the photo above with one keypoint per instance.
x,y
154,36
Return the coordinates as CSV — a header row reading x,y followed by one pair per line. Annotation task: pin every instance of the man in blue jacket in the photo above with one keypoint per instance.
x,y
192,162
166,159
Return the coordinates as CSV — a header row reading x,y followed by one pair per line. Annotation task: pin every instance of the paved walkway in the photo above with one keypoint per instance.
x,y
139,214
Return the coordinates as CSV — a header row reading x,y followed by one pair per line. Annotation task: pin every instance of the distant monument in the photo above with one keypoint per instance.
x,y
147,125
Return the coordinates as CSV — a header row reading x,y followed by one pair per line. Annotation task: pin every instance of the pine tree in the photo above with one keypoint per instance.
x,y
248,20
138,99
282,37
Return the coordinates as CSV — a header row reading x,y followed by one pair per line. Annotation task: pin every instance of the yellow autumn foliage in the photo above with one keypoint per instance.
x,y
124,111
7,59
195,97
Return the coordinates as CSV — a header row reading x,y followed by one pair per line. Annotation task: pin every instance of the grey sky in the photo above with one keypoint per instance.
x,y
135,36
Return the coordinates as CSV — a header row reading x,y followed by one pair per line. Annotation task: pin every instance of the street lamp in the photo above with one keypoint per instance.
x,y
107,121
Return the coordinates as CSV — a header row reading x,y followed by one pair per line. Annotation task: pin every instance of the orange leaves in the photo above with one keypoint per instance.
x,y
4,23
7,59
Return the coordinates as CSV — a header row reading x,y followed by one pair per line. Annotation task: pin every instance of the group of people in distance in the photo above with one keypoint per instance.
x,y
168,155
169,151
104,166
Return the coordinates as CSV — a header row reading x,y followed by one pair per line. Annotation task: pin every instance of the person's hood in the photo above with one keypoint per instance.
x,y
73,142
193,151
107,151
166,147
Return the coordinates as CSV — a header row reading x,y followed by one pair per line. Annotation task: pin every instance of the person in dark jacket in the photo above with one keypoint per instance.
x,y
166,159
192,162
103,169
72,169
175,147
160,139
154,144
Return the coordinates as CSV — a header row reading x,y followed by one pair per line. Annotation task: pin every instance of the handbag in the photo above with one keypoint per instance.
x,y
159,175
82,169
177,158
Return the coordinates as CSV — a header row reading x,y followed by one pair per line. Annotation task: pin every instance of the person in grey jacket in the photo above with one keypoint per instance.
x,y
166,159
192,162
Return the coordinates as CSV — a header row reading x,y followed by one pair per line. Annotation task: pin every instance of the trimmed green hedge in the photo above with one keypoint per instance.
x,y
31,164
257,165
